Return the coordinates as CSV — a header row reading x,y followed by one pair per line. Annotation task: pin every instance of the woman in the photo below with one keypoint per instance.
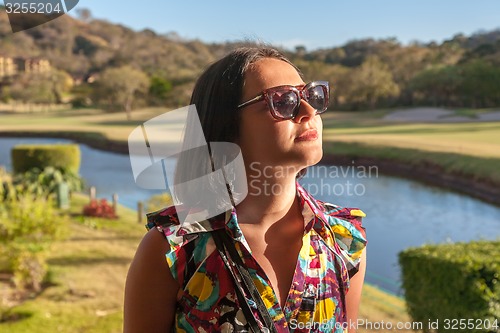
x,y
306,258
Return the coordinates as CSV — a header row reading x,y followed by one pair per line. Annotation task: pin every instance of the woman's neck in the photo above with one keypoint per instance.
x,y
271,197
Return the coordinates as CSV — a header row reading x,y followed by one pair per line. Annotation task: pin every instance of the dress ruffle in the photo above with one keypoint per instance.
x,y
350,235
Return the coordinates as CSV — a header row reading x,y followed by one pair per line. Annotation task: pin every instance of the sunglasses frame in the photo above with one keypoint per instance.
x,y
298,90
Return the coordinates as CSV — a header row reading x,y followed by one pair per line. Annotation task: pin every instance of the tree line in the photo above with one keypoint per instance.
x,y
97,63
460,72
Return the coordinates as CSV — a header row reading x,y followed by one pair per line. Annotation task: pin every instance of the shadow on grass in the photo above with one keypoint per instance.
x,y
425,130
11,316
347,124
76,136
86,260
111,238
119,123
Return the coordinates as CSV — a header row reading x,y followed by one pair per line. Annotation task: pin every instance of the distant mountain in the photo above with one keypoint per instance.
x,y
82,48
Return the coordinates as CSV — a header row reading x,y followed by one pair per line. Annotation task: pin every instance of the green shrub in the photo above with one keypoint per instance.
x,y
159,201
45,182
28,264
29,224
5,183
65,157
449,282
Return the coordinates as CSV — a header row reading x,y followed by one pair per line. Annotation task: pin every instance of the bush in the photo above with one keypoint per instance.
x,y
452,281
28,263
65,157
29,224
46,182
159,201
99,208
5,184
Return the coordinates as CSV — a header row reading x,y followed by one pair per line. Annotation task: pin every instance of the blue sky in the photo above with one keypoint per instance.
x,y
313,23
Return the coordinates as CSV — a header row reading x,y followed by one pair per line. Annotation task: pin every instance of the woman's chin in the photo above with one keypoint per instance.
x,y
310,156
312,160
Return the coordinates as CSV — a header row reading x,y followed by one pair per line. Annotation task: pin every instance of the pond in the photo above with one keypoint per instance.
x,y
400,212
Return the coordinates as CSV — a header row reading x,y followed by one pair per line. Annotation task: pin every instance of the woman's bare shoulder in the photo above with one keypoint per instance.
x,y
150,290
153,244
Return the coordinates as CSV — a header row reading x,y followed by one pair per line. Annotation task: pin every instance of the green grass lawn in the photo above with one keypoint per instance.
x,y
471,148
377,306
470,113
88,272
480,139
112,126
367,127
484,169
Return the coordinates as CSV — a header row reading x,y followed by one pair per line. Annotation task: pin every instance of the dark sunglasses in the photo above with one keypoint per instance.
x,y
284,101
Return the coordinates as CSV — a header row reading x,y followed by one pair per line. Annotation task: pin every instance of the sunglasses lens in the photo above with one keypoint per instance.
x,y
284,104
317,98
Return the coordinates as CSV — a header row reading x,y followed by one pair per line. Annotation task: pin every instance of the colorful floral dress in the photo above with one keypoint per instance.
x,y
333,242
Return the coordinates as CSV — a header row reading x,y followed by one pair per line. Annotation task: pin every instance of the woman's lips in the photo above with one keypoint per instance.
x,y
309,135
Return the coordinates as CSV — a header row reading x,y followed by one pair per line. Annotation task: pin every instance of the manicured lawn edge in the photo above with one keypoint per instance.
x,y
92,139
475,176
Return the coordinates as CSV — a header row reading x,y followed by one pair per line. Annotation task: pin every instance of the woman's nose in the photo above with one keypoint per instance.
x,y
306,112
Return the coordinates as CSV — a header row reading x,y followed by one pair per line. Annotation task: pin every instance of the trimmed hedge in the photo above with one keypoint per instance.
x,y
64,157
449,282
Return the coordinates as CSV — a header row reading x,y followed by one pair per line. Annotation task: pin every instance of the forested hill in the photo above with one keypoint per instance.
x,y
82,47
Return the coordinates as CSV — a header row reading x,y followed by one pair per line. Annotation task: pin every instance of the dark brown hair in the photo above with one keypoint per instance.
x,y
219,89
216,95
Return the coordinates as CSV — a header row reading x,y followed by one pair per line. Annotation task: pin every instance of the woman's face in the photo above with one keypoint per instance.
x,y
267,141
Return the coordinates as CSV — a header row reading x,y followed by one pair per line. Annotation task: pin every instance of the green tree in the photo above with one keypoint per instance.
x,y
371,82
118,87
436,85
340,82
159,89
32,88
44,87
61,83
479,86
